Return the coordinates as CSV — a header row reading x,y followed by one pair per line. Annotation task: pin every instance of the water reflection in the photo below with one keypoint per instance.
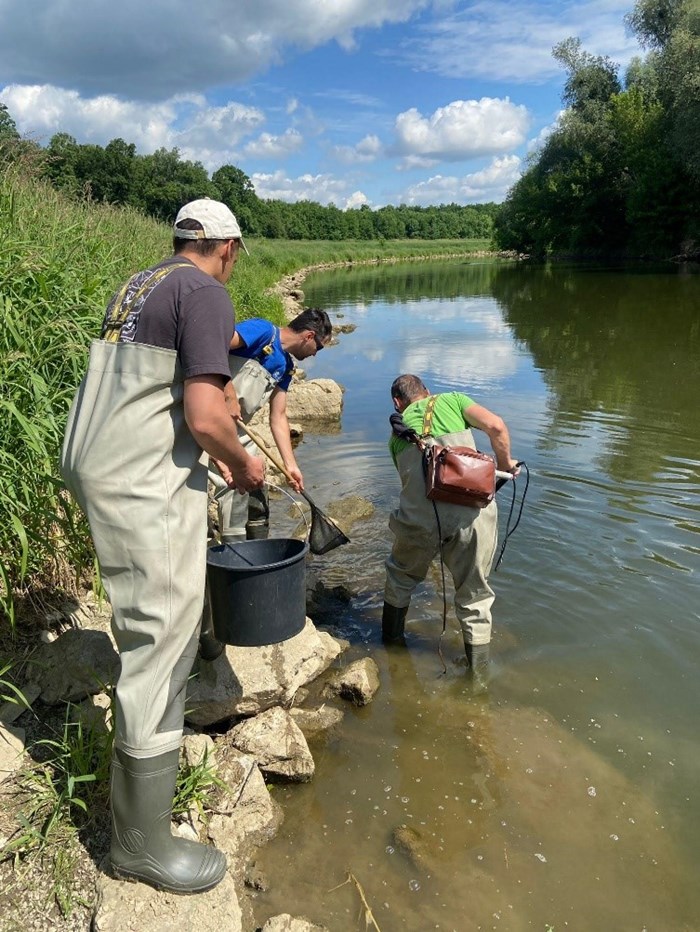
x,y
597,632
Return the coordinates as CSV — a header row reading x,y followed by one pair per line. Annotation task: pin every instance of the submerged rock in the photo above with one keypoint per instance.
x,y
358,682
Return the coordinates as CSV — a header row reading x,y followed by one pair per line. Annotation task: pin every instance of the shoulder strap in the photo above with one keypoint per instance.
x,y
268,349
428,417
124,303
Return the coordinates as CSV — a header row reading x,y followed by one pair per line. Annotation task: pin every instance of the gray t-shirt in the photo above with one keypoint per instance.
x,y
176,306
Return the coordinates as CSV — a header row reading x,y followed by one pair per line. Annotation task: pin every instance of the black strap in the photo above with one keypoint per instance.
x,y
401,429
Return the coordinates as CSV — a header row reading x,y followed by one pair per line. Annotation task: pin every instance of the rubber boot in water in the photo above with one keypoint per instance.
x,y
209,646
142,846
258,523
393,621
257,530
478,663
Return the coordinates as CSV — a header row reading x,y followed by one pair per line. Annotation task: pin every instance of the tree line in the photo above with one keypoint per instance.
x,y
620,173
160,183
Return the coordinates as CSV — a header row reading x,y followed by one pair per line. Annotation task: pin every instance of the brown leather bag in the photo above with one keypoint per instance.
x,y
459,475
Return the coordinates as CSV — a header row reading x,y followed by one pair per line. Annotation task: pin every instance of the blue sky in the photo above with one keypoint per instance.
x,y
340,101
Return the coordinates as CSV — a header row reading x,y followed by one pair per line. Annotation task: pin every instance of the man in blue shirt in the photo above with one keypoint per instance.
x,y
261,361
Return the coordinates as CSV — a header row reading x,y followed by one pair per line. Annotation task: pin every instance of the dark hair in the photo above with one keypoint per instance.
x,y
408,388
203,247
314,319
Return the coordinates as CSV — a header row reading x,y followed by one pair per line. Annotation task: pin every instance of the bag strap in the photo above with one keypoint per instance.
x,y
428,418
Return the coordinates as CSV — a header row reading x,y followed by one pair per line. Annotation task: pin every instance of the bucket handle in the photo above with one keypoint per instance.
x,y
294,502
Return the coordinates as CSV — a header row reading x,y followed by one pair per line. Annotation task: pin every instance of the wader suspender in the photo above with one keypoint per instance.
x,y
112,327
267,350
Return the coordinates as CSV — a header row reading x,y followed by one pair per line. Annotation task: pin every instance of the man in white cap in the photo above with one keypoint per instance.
x,y
148,413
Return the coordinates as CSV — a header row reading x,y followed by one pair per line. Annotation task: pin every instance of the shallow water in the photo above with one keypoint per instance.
x,y
565,796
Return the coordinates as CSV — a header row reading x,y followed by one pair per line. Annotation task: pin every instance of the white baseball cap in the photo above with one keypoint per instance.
x,y
216,220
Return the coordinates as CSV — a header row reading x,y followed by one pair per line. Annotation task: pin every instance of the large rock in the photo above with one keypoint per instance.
x,y
244,814
76,665
136,907
358,682
317,722
320,399
277,744
248,680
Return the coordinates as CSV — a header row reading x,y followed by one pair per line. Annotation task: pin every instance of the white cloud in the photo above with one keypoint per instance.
x,y
323,188
462,130
487,184
356,199
267,146
541,138
150,50
201,132
512,40
366,150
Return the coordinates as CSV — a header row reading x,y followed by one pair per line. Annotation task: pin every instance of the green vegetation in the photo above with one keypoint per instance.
x,y
620,173
60,259
159,184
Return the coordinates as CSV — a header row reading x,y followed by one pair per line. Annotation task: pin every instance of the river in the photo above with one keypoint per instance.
x,y
565,797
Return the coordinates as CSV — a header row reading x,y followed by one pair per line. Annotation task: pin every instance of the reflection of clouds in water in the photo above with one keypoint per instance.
x,y
474,312
466,364
375,354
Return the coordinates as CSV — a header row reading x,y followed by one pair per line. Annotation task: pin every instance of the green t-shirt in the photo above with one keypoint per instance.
x,y
447,418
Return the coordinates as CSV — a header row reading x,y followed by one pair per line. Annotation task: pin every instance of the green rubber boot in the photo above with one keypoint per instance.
x,y
478,656
143,847
393,621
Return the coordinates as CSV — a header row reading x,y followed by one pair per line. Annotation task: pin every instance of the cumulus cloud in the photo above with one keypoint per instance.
x,y
461,130
512,40
366,150
42,110
488,184
323,188
267,146
356,199
148,51
201,132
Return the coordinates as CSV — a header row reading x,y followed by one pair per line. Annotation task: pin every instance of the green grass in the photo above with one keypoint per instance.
x,y
59,263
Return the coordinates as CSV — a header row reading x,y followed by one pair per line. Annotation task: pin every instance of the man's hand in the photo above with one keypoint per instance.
x,y
252,476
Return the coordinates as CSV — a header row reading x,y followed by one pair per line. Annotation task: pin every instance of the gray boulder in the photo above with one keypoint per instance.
x,y
277,744
247,680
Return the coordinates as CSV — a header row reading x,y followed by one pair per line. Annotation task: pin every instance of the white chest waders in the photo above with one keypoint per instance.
x,y
133,465
140,477
254,386
469,537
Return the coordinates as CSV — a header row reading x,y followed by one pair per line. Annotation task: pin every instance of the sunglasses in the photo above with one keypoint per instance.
x,y
319,343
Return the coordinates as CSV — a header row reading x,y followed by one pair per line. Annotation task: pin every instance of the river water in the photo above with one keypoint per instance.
x,y
566,795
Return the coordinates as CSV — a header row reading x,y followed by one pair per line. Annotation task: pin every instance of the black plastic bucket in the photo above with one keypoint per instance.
x,y
257,590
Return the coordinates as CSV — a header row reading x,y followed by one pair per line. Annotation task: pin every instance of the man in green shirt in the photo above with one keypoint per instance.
x,y
469,535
